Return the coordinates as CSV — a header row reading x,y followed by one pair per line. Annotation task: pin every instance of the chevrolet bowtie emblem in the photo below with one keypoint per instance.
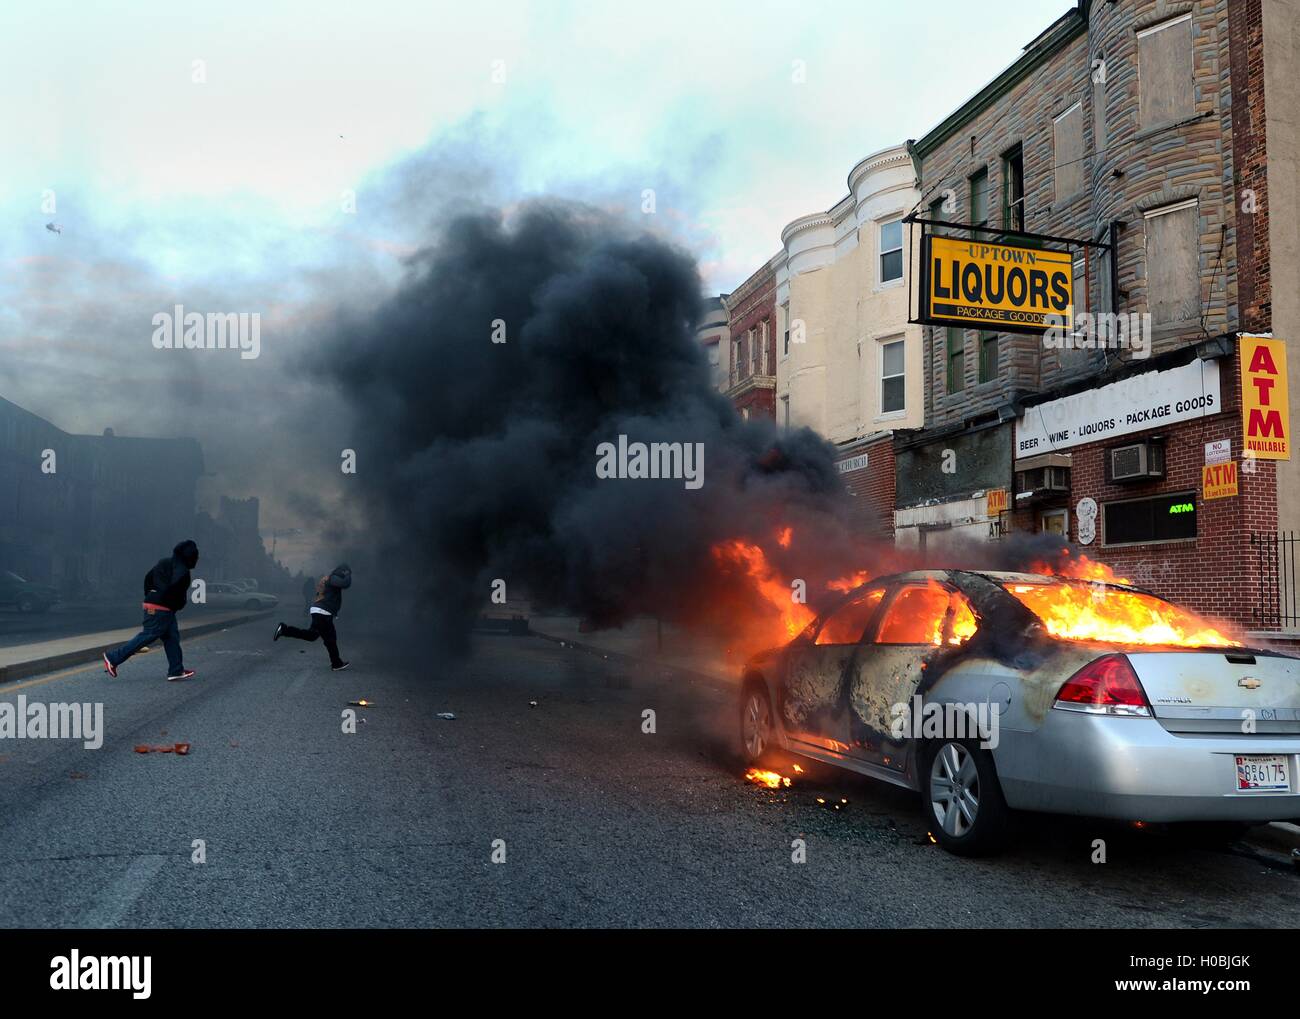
x,y
1249,682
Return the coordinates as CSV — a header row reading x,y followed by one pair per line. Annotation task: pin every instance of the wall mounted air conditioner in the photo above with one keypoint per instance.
x,y
1042,480
1138,461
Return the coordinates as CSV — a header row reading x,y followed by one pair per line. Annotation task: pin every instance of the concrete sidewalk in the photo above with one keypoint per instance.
x,y
639,641
22,660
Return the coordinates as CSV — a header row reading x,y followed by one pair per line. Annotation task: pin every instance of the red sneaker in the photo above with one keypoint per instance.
x,y
109,667
185,674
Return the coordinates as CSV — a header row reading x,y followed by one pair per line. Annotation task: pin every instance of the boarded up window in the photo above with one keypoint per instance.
x,y
1067,140
1173,264
1165,84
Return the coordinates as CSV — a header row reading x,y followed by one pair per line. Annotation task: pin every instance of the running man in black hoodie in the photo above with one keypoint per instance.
x,y
328,604
166,589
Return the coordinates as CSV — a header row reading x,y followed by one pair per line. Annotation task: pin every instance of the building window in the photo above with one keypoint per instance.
x,y
1013,190
1173,263
785,317
956,346
988,357
891,251
714,355
785,411
1161,518
892,377
1067,144
1166,89
979,199
937,215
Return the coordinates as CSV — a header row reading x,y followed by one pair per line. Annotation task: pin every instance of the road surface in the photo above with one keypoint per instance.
x,y
303,824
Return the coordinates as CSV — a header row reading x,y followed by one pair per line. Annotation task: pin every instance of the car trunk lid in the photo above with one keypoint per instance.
x,y
1231,690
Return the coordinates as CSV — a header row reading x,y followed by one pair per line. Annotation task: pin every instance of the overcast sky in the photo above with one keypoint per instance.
x,y
227,193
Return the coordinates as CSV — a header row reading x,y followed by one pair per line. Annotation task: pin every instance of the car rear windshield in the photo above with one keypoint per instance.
x,y
1075,610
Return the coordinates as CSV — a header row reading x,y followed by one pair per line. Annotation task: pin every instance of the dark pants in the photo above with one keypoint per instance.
x,y
322,627
158,624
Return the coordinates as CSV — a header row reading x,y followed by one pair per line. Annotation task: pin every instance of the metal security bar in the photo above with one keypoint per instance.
x,y
1278,607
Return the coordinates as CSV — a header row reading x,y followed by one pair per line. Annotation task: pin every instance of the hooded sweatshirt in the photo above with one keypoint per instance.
x,y
329,590
167,585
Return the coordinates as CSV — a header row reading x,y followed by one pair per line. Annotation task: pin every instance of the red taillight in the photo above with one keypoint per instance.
x,y
1107,686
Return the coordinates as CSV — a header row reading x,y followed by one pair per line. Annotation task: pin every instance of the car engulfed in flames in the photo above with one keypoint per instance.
x,y
1064,692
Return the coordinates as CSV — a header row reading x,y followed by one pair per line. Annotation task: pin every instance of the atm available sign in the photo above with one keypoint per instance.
x,y
997,286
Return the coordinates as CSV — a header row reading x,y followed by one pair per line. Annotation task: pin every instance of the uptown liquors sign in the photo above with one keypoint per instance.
x,y
1134,404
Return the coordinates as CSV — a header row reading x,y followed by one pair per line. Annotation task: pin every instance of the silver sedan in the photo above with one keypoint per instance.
x,y
995,692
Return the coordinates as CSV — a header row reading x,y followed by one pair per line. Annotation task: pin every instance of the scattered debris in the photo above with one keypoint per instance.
x,y
54,228
532,704
363,703
78,774
176,748
449,716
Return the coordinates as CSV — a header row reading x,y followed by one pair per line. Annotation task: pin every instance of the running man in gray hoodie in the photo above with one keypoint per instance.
x,y
328,604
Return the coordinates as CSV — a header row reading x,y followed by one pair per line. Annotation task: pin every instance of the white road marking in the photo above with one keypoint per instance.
x,y
120,896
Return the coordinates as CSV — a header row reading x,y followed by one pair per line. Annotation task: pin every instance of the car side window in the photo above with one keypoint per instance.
x,y
919,614
847,623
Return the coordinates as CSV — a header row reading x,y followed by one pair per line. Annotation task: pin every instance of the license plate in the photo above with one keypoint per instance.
x,y
1257,772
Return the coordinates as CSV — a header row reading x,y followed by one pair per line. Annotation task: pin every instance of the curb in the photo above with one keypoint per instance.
x,y
1281,836
21,670
709,678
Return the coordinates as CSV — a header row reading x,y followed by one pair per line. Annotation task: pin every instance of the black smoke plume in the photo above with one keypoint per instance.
x,y
476,460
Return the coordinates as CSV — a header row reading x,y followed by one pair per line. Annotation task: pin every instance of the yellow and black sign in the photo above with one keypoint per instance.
x,y
1265,412
1004,287
1218,481
996,502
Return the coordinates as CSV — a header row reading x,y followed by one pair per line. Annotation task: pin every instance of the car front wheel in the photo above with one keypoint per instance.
x,y
963,800
755,722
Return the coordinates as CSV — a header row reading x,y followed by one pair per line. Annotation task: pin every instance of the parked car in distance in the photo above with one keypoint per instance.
x,y
228,596
243,584
25,596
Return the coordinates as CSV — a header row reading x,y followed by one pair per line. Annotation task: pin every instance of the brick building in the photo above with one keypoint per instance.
x,y
1129,132
751,314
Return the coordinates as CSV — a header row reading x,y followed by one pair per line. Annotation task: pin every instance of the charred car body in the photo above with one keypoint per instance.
x,y
1175,722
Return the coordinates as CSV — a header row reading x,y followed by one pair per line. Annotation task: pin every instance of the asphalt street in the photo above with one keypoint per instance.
x,y
598,822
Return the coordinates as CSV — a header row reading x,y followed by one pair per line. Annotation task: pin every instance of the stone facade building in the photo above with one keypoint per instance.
x,y
1135,132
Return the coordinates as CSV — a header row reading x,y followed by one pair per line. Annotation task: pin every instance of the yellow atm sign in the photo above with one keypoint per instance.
x,y
997,286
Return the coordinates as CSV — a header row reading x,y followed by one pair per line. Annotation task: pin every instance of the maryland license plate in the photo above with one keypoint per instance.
x,y
1256,772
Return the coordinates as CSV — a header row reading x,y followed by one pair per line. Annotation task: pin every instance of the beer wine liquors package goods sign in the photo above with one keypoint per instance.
x,y
1265,412
1004,287
1135,404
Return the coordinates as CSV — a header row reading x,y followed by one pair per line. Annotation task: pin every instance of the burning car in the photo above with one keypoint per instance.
x,y
992,692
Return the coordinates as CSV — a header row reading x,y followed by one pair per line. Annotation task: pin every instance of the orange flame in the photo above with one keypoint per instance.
x,y
771,779
793,616
1079,567
1110,614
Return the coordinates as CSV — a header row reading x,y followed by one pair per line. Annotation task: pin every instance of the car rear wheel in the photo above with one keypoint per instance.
x,y
755,722
963,800
26,603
